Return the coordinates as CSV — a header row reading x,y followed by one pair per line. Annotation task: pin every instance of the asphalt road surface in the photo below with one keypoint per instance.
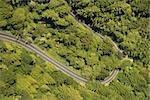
x,y
98,34
61,67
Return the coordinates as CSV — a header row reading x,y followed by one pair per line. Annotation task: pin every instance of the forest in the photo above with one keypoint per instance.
x,y
58,28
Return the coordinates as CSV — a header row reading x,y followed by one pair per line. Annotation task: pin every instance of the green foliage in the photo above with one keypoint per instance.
x,y
50,14
29,81
124,21
62,22
104,91
49,25
26,83
68,93
5,10
3,23
18,16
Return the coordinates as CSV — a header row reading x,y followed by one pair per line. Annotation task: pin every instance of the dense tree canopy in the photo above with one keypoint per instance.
x,y
124,21
50,25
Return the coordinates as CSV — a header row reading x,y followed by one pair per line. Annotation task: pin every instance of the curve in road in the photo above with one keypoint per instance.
x,y
98,34
61,67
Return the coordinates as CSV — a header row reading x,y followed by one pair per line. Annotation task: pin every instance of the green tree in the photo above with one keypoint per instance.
x,y
19,16
70,93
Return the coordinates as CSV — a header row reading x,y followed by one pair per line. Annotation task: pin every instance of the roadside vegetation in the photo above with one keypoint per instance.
x,y
51,27
23,75
125,21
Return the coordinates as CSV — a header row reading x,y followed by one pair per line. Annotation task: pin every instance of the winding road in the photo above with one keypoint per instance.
x,y
61,67
98,34
108,79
